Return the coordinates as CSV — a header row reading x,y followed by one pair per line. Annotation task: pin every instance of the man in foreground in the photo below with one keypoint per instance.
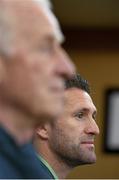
x,y
69,141
33,67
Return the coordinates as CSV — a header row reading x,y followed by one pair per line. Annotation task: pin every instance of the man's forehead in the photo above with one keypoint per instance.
x,y
78,97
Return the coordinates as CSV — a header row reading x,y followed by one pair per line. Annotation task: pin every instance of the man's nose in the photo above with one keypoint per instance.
x,y
92,127
65,66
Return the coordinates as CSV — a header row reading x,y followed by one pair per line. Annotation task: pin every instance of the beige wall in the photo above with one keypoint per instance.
x,y
101,68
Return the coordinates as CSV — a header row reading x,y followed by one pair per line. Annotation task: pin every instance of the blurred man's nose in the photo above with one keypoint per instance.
x,y
65,66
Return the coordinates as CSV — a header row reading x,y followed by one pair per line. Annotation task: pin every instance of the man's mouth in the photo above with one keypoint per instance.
x,y
88,143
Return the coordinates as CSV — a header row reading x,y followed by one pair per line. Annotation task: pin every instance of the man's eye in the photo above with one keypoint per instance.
x,y
94,116
44,48
47,48
79,115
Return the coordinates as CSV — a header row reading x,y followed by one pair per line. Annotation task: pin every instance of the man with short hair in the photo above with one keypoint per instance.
x,y
69,141
33,67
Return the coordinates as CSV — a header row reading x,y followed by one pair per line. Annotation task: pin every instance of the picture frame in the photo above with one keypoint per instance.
x,y
111,133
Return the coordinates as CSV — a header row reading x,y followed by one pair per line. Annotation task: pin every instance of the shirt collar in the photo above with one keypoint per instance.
x,y
48,166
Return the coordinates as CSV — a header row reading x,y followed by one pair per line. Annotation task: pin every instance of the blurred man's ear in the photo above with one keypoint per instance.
x,y
2,69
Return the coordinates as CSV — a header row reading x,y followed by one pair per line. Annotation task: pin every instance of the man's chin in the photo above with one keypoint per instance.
x,y
88,158
91,160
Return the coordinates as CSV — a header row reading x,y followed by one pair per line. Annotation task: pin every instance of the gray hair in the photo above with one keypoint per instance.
x,y
7,20
45,3
47,6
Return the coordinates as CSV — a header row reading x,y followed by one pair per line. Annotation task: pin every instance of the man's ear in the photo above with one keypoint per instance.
x,y
2,70
43,131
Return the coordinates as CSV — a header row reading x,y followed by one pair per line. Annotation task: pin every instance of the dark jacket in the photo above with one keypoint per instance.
x,y
19,162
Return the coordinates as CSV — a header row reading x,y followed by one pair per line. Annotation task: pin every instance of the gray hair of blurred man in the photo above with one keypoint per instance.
x,y
7,20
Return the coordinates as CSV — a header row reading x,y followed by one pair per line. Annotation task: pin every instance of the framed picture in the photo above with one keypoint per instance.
x,y
111,139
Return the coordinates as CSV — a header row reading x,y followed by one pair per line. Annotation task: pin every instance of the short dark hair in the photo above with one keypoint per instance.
x,y
79,82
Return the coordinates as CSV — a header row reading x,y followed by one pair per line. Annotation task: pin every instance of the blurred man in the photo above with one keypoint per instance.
x,y
33,66
69,141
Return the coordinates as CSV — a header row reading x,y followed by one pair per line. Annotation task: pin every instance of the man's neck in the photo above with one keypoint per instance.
x,y
17,124
60,168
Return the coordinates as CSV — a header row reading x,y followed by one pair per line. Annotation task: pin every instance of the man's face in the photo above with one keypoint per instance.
x,y
34,76
72,136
